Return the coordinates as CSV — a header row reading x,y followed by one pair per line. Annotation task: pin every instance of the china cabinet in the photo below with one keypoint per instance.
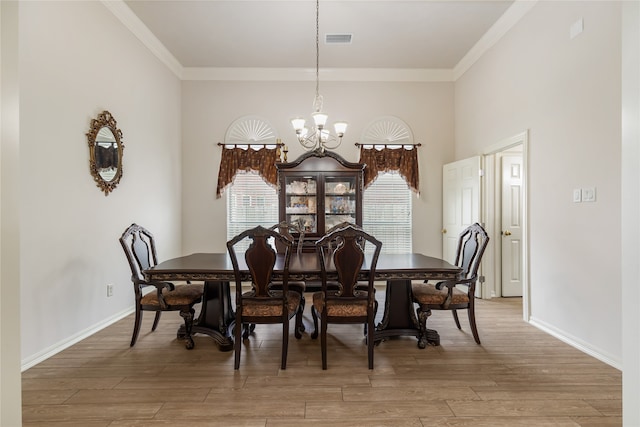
x,y
318,190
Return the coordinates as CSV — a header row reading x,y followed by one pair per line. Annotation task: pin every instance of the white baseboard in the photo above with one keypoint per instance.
x,y
62,345
577,343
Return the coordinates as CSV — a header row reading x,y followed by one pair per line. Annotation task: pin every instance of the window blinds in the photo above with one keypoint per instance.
x,y
386,213
250,202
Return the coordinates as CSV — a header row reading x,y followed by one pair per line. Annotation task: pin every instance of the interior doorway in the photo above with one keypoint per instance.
x,y
504,206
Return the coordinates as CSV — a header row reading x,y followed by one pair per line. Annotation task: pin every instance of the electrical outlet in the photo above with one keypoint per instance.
x,y
109,290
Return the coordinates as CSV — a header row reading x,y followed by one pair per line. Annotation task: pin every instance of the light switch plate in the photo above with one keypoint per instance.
x,y
589,194
577,195
576,28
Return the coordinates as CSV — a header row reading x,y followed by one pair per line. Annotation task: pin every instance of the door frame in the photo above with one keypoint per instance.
x,y
491,198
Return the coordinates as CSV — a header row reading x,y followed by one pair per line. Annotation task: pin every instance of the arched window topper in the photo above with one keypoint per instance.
x,y
250,144
387,146
105,151
251,130
387,131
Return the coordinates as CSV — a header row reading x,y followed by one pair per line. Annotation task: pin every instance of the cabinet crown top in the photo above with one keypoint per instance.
x,y
318,159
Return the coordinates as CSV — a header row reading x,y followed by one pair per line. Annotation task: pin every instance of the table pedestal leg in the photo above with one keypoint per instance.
x,y
216,316
399,317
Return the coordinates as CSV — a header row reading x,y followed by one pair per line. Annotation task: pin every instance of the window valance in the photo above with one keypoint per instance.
x,y
404,161
233,160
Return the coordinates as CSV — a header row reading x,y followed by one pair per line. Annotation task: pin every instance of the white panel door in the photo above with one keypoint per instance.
x,y
512,249
461,201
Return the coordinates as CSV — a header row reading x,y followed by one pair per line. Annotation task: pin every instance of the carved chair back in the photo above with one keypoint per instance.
x,y
260,259
347,259
286,228
139,246
471,246
343,224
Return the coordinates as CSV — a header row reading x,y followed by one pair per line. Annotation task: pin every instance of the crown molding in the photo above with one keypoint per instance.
x,y
326,74
515,12
129,19
508,20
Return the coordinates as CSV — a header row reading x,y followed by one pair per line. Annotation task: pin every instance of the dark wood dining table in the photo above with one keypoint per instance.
x,y
217,316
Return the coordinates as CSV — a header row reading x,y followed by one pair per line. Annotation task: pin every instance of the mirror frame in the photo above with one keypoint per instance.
x,y
104,119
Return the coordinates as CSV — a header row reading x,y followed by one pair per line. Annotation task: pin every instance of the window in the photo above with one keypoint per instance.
x,y
386,213
250,202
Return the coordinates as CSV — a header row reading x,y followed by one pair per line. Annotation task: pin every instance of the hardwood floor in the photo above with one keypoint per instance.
x,y
519,376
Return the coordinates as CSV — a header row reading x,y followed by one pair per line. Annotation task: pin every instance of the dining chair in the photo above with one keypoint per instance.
x,y
445,295
348,304
262,304
316,285
139,247
360,241
341,225
286,229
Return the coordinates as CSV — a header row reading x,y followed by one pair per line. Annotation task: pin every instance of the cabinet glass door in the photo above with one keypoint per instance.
x,y
339,200
301,202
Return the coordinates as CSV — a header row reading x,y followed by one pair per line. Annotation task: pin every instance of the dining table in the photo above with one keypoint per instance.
x,y
217,317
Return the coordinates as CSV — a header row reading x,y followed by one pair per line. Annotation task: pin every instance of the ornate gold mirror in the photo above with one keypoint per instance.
x,y
105,152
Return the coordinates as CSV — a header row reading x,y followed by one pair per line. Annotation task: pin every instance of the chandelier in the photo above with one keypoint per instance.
x,y
318,137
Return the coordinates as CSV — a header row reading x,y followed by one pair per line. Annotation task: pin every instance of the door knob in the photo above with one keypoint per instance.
x,y
507,233
444,231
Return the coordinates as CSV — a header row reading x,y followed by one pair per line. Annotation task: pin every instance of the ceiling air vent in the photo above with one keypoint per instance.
x,y
338,38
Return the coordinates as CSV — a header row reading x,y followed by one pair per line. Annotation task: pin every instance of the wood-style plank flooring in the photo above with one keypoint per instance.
x,y
519,376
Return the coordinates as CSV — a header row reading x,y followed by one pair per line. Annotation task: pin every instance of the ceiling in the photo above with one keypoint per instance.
x,y
405,34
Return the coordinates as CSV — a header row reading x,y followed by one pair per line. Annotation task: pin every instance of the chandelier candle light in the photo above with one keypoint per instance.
x,y
319,137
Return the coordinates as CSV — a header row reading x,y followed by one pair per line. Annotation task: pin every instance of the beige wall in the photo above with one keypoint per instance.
x,y
10,379
76,59
566,92
208,108
630,212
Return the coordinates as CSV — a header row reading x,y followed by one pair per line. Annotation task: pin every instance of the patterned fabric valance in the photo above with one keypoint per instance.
x,y
233,160
391,159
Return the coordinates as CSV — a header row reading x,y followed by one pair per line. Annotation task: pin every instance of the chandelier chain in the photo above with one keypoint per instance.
x,y
318,137
317,102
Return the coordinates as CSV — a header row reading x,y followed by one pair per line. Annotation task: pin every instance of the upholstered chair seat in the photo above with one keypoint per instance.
x,y
429,294
269,307
341,308
180,295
